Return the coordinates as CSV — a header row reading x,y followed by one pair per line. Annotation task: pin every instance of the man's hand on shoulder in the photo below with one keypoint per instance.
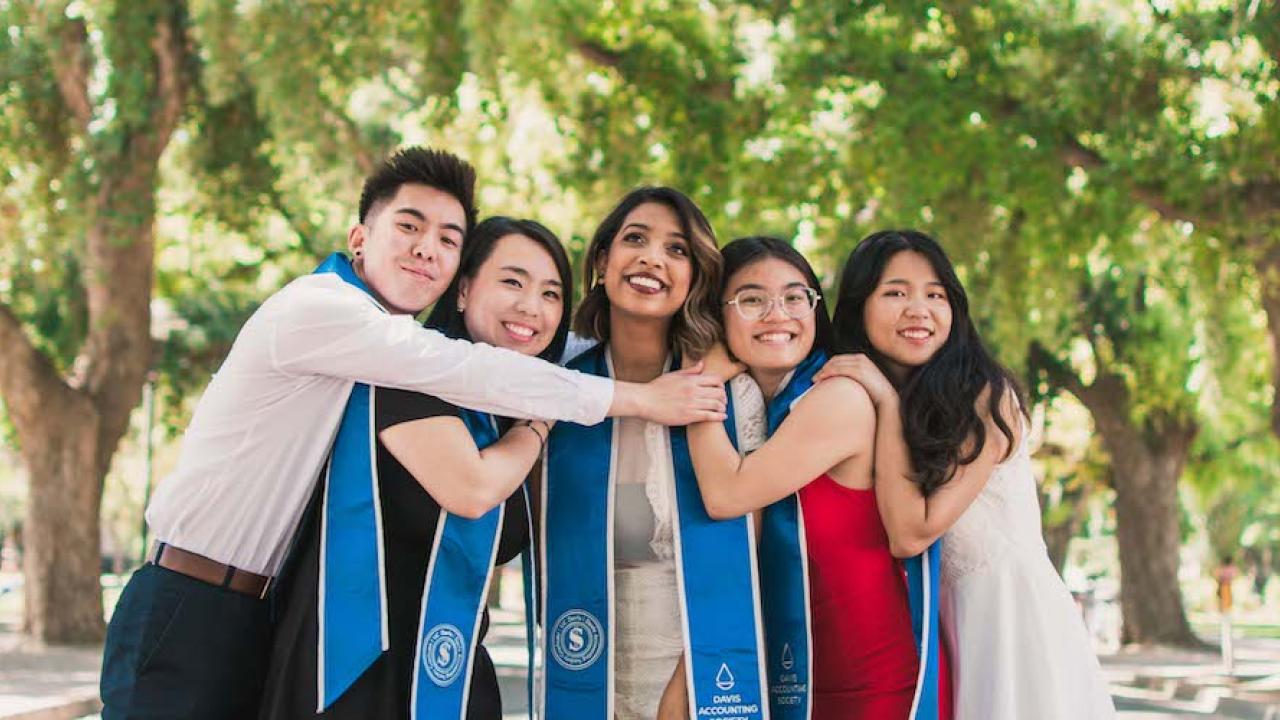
x,y
676,398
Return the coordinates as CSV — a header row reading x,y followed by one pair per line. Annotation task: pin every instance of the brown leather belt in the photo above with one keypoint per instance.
x,y
211,571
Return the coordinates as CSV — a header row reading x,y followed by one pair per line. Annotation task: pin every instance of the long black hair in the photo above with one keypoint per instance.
x,y
747,250
476,249
938,400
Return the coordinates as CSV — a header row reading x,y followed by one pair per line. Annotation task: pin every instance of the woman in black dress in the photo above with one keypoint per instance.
x,y
513,289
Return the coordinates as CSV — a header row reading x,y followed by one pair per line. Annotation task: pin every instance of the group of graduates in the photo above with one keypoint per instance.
x,y
731,503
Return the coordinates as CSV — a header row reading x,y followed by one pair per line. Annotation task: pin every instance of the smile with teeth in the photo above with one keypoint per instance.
x,y
916,333
776,338
520,331
645,282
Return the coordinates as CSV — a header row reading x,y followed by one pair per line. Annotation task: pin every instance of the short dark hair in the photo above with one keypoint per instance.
x,y
748,250
477,248
694,328
418,165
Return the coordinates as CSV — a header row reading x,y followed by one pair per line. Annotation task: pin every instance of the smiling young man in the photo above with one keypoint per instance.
x,y
190,635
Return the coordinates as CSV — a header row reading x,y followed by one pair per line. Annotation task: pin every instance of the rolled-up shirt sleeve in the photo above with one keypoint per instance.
x,y
320,326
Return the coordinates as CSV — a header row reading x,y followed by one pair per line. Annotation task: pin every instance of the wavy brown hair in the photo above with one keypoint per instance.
x,y
694,329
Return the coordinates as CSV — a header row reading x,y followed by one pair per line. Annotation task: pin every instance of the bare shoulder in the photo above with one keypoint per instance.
x,y
1009,409
837,399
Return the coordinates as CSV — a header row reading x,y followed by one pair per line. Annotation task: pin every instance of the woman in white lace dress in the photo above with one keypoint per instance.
x,y
952,457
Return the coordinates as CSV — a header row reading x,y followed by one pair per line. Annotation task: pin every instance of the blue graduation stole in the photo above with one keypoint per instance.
x,y
352,599
453,600
715,564
784,570
352,603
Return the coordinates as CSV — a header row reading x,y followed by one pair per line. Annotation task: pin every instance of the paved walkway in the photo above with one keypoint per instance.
x,y
38,683
61,683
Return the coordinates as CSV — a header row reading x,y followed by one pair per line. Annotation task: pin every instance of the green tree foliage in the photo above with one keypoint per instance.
x,y
1104,173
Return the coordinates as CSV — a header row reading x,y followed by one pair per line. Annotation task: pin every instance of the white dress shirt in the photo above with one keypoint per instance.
x,y
262,431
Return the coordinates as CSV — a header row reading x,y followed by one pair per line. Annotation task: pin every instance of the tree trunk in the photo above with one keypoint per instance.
x,y
61,563
1268,267
1145,467
1057,538
68,428
1146,463
1148,533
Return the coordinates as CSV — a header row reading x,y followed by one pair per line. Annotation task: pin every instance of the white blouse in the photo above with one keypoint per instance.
x,y
260,434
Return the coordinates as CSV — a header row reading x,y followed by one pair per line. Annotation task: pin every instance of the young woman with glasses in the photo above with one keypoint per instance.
x,y
865,657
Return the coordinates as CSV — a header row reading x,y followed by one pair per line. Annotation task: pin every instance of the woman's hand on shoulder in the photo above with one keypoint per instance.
x,y
836,412
860,368
839,398
717,362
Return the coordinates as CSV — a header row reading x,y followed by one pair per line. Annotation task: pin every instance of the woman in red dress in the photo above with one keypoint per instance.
x,y
865,657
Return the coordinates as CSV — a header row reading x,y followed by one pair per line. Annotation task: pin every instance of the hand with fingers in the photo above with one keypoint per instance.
x,y
719,363
862,369
683,397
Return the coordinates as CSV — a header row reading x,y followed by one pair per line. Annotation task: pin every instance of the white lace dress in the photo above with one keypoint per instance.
x,y
1018,644
649,634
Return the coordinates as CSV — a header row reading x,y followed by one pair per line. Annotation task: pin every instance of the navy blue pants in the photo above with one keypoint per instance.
x,y
181,648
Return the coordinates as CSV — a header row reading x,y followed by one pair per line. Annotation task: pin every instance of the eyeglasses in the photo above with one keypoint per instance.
x,y
796,303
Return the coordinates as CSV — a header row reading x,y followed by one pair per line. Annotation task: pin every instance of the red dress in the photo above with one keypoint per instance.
x,y
865,660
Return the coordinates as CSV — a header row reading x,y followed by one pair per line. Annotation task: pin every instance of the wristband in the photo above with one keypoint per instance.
x,y
542,438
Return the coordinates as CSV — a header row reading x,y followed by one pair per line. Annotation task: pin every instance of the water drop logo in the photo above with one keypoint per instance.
x,y
788,660
724,678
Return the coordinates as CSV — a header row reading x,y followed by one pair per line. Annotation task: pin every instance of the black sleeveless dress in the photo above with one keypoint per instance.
x,y
409,517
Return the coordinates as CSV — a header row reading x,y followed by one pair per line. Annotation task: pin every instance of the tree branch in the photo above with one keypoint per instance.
x,y
598,54
1106,398
120,245
350,133
172,80
1060,374
1074,154
604,57
71,67
28,379
1267,265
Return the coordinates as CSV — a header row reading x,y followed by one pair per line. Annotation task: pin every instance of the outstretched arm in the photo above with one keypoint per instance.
x,y
912,521
320,326
442,456
676,398
828,425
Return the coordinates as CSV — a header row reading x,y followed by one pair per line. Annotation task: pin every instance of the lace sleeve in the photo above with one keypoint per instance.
x,y
748,413
749,422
